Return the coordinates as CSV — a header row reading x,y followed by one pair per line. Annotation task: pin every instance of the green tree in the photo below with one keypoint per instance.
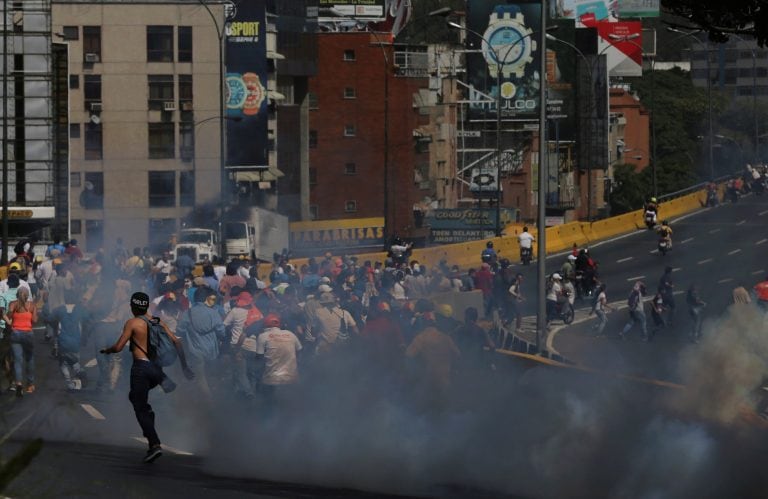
x,y
719,18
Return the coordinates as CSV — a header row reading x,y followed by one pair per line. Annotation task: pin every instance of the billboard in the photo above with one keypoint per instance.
x,y
338,236
246,85
638,8
575,9
622,42
455,225
362,9
504,59
561,82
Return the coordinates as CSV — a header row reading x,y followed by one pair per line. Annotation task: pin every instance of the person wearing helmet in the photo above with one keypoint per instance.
x,y
278,349
651,212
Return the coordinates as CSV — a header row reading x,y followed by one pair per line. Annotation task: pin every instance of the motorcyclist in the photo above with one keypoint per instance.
x,y
651,212
586,269
568,269
399,251
665,234
525,239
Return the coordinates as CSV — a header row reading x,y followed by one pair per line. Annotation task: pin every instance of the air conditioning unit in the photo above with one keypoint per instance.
x,y
169,106
91,57
95,107
186,106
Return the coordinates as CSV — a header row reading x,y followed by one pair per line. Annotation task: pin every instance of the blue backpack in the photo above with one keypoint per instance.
x,y
161,349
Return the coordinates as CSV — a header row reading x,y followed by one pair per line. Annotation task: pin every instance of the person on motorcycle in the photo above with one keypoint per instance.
x,y
489,256
665,234
525,239
399,251
651,212
586,269
568,269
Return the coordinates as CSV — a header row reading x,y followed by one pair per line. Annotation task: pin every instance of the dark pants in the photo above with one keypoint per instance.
x,y
145,375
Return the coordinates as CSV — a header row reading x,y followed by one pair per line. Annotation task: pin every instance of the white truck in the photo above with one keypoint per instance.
x,y
199,244
258,234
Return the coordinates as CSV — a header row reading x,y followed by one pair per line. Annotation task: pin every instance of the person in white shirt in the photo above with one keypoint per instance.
x,y
525,239
600,307
553,295
279,348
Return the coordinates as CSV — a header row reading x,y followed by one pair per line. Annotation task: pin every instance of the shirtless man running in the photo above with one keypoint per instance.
x,y
145,374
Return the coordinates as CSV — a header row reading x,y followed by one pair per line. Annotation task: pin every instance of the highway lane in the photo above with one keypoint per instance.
x,y
717,249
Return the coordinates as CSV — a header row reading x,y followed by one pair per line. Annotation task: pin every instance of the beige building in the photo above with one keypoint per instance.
x,y
144,117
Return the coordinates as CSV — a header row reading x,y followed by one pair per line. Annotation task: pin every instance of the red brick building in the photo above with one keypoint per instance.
x,y
632,126
354,85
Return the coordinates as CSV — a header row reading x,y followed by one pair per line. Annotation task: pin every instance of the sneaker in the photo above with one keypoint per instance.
x,y
153,454
30,389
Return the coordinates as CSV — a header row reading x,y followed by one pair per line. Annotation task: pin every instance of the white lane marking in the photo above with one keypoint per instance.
x,y
758,272
686,240
763,213
654,251
624,259
677,269
92,411
166,447
761,241
714,230
705,261
742,222
91,363
18,425
734,252
723,281
636,278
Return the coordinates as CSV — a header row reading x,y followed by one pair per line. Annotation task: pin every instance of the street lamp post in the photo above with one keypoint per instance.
x,y
220,34
4,255
542,179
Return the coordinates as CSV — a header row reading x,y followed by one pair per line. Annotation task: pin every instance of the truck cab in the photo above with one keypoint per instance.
x,y
199,244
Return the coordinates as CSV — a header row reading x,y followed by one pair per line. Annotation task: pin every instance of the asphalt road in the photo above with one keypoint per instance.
x,y
717,249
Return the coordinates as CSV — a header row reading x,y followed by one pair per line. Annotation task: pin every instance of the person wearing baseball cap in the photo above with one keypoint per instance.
x,y
278,348
145,372
554,291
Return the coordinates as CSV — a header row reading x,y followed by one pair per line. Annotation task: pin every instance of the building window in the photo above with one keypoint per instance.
x,y
187,141
94,235
350,131
185,44
70,33
93,141
162,140
349,93
92,92
92,195
159,43
313,176
349,55
162,189
74,130
91,44
74,81
187,188
185,97
160,91
350,206
75,227
74,179
350,169
314,212
312,139
312,97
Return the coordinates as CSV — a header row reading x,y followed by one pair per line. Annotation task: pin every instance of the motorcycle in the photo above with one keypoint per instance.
x,y
585,284
664,246
525,255
712,200
650,219
564,311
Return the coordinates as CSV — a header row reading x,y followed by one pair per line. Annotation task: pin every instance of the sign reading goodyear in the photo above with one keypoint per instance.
x,y
338,236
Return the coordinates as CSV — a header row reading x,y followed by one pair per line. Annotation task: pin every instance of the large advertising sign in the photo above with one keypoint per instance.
x,y
575,9
461,225
246,86
337,236
362,9
638,8
561,82
506,69
622,42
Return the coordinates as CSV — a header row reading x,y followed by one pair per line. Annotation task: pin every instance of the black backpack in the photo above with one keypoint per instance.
x,y
160,347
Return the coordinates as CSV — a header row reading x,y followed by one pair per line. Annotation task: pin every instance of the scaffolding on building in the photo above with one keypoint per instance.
x,y
36,180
